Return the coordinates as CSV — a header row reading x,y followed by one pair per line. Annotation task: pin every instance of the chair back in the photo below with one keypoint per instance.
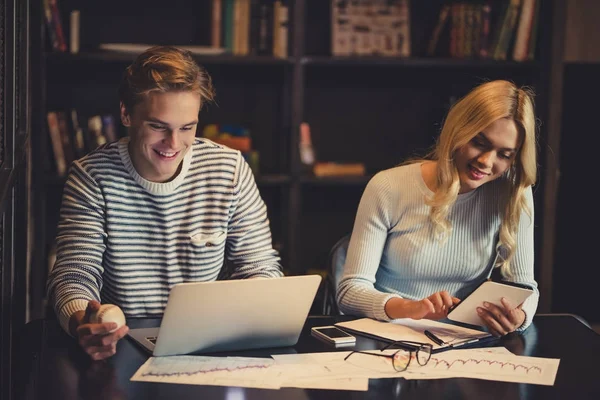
x,y
337,259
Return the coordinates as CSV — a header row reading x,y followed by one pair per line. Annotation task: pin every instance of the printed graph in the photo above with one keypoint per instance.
x,y
201,370
503,365
190,365
510,368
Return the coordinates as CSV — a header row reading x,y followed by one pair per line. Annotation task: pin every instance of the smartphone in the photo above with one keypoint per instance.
x,y
332,334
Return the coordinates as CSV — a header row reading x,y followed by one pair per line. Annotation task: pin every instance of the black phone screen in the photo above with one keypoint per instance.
x,y
333,332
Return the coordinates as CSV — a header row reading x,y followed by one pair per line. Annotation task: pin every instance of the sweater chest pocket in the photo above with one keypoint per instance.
x,y
208,239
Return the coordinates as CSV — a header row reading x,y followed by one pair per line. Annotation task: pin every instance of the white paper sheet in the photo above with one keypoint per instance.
x,y
217,371
410,329
493,366
331,371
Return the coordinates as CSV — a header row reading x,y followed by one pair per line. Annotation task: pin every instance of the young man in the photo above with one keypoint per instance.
x,y
157,208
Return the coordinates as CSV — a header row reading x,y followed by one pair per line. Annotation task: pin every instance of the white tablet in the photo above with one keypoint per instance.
x,y
492,292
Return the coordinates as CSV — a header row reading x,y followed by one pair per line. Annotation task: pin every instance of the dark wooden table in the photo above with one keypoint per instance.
x,y
51,366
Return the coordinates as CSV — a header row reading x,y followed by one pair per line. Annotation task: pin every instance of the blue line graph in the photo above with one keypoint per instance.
x,y
190,366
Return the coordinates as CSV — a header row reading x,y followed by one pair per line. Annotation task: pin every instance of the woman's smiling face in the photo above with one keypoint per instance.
x,y
488,155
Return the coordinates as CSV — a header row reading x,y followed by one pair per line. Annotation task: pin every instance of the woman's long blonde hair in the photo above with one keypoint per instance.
x,y
471,115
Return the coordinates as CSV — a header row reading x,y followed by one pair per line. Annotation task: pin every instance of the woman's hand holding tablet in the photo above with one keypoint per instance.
x,y
492,292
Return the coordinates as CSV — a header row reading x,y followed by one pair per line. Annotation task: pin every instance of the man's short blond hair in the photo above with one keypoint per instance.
x,y
164,69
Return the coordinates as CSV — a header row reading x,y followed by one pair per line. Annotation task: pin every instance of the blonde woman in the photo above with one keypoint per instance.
x,y
427,232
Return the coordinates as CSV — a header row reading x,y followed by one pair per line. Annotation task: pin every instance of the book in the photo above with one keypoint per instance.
x,y
216,18
324,169
280,29
484,36
498,17
50,26
74,25
79,145
264,44
524,30
254,30
245,28
455,30
437,30
476,31
236,27
65,137
533,32
228,39
468,11
508,30
57,145
58,27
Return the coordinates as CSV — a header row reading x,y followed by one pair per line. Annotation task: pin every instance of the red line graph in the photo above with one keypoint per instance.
x,y
448,364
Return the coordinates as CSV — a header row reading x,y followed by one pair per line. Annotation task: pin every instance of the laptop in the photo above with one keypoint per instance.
x,y
204,317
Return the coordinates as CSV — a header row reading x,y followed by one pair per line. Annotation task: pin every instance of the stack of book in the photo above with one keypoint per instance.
x,y
71,140
235,137
244,27
486,29
324,169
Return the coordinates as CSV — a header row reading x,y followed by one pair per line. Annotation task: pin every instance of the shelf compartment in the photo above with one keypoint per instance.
x,y
335,180
118,56
326,61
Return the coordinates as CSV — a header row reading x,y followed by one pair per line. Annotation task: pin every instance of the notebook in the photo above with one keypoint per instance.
x,y
203,317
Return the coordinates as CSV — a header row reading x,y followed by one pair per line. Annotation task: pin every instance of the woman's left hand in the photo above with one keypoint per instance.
x,y
501,320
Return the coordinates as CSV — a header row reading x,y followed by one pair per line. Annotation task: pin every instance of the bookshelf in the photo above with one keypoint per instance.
x,y
368,109
15,176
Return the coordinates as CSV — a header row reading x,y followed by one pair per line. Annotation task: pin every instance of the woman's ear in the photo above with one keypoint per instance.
x,y
125,119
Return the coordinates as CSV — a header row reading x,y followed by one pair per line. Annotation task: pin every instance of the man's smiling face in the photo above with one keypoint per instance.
x,y
162,129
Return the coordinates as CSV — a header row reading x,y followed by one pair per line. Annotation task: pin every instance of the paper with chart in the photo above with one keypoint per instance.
x,y
204,370
492,366
331,371
294,368
264,373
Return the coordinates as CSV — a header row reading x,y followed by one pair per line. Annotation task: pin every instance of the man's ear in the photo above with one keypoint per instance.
x,y
125,120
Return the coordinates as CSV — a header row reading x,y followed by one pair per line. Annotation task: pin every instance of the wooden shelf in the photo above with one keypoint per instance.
x,y
118,56
336,180
51,179
326,61
261,180
273,179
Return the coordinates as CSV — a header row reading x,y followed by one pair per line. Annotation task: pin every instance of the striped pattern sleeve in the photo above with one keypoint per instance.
x,y
249,246
77,274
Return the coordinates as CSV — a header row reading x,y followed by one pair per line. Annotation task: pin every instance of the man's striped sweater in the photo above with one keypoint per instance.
x,y
125,240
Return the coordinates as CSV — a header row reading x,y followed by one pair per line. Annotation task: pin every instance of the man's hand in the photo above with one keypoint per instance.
x,y
95,339
501,320
435,306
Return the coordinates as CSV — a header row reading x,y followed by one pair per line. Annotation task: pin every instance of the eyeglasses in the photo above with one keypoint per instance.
x,y
401,358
